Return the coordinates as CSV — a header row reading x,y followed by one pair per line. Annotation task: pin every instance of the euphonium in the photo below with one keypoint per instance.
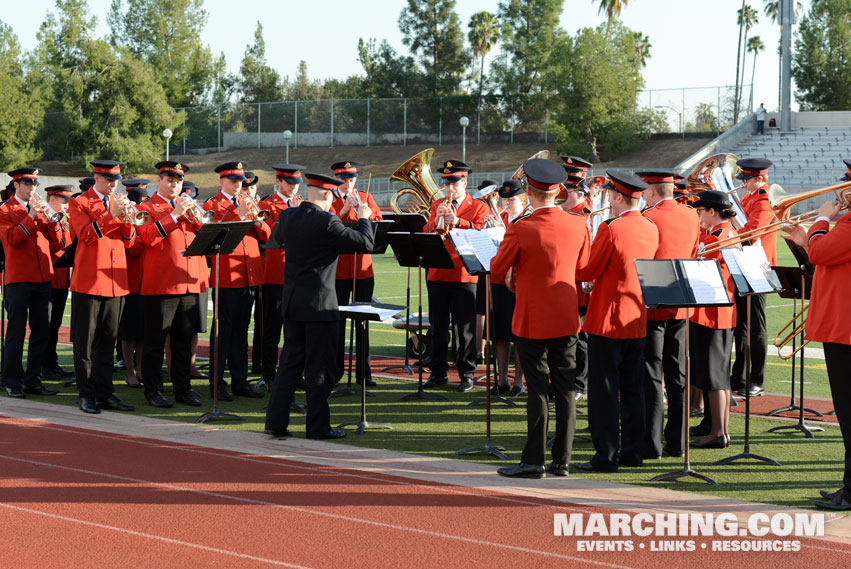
x,y
519,174
423,190
254,212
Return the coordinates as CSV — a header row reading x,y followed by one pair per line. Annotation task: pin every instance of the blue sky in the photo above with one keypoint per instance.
x,y
694,41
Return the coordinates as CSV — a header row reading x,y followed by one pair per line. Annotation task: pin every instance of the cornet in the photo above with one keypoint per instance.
x,y
440,225
194,212
38,202
254,212
129,213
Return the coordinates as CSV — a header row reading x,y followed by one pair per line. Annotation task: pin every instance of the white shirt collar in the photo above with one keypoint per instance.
x,y
100,195
544,206
621,214
20,201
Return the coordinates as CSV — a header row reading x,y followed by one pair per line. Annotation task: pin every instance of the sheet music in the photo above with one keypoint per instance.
x,y
706,282
481,243
754,265
383,313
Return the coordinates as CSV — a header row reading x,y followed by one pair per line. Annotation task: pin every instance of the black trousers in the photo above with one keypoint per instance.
x,y
363,293
95,322
307,350
615,399
26,302
57,308
234,318
544,361
459,300
664,356
582,355
259,324
838,360
165,314
759,341
273,324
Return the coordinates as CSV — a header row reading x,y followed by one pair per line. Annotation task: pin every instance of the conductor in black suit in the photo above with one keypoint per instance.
x,y
312,238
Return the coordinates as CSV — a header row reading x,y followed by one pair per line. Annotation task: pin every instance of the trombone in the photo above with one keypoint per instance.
x,y
796,331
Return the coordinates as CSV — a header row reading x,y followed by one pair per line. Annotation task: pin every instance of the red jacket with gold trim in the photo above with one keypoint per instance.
x,y
830,252
472,214
718,317
27,243
345,262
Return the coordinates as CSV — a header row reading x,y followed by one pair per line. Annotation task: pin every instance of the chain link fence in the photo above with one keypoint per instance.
x,y
699,109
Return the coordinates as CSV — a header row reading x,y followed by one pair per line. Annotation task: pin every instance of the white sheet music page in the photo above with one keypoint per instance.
x,y
754,264
483,243
706,282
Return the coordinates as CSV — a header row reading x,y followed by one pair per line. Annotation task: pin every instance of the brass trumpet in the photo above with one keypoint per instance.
x,y
254,212
440,226
129,212
39,203
194,212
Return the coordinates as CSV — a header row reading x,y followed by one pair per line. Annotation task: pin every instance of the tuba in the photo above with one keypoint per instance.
x,y
519,174
717,173
422,190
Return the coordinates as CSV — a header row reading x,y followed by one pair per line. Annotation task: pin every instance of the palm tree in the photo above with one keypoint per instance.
x,y
612,8
738,63
642,48
755,46
748,18
483,35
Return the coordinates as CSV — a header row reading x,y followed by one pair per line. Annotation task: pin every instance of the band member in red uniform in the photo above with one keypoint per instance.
x,y
131,329
754,174
239,273
576,169
287,180
27,235
827,322
712,330
664,347
616,323
480,299
453,290
99,283
353,269
170,286
515,201
57,199
191,191
545,249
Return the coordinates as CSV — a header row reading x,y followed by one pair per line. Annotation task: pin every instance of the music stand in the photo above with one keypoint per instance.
x,y
412,223
797,284
360,313
420,250
746,288
667,283
217,239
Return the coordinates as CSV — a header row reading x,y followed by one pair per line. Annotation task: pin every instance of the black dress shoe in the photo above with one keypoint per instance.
x,y
651,455
516,391
88,405
840,502
499,389
671,452
247,392
522,471
188,398
331,434
591,467
700,430
156,399
49,375
15,392
756,391
718,442
435,381
114,404
64,373
40,390
557,468
828,495
466,384
630,462
223,395
278,434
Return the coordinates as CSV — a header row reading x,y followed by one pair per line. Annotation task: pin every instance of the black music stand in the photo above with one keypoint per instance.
x,y
217,239
420,250
745,288
412,223
360,313
797,283
665,283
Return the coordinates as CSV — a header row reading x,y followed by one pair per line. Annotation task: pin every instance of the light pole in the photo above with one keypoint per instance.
x,y
464,122
167,136
682,130
287,136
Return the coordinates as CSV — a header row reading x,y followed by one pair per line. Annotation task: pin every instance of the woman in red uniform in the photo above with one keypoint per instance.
x,y
712,329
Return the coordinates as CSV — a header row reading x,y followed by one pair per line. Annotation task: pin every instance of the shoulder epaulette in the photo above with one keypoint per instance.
x,y
575,213
762,192
611,219
522,217
586,211
717,232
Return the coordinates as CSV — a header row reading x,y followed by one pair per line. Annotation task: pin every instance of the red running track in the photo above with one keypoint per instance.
x,y
77,498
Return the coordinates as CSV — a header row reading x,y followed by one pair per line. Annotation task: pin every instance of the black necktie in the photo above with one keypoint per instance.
x,y
455,204
289,202
28,208
172,203
235,203
106,202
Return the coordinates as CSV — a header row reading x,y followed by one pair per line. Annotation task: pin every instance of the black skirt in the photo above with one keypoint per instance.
x,y
132,324
710,351
503,312
480,295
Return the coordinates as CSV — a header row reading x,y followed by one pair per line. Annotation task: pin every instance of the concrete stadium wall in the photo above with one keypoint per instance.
x,y
724,143
45,181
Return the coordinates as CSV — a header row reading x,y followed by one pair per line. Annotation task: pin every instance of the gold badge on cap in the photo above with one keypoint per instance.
x,y
347,165
35,172
239,165
448,164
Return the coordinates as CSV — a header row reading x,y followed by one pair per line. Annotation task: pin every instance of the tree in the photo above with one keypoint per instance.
x,y
431,29
704,119
167,34
822,55
642,48
755,46
258,82
388,74
612,8
750,17
746,17
598,99
112,105
21,110
741,23
483,35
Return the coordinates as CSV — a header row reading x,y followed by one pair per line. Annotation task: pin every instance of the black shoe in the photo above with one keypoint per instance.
x,y
630,462
70,383
15,392
736,386
696,413
88,405
756,391
828,495
840,502
671,452
500,389
112,402
466,384
516,391
369,382
247,392
190,398
718,442
49,375
156,399
591,467
435,381
700,430
120,365
63,373
278,434
557,468
223,394
332,434
651,455
522,471
40,390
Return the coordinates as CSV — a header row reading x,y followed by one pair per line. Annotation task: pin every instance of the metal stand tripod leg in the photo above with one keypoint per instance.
x,y
407,366
363,423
